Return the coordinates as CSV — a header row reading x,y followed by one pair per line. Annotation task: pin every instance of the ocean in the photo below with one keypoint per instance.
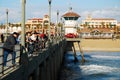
x,y
97,66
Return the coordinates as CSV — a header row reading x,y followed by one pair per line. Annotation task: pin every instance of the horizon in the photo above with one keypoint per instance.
x,y
39,8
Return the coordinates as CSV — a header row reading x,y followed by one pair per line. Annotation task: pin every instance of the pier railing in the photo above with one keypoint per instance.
x,y
38,48
5,69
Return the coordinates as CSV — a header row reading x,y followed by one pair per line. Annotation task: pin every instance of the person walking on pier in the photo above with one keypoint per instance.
x,y
31,38
9,48
2,38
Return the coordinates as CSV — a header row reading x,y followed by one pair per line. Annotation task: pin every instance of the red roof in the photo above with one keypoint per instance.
x,y
71,14
104,30
46,16
85,30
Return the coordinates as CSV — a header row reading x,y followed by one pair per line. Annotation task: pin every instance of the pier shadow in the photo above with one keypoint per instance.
x,y
71,69
71,47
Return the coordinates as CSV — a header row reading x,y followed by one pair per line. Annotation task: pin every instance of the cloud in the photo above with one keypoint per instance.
x,y
104,13
2,15
14,15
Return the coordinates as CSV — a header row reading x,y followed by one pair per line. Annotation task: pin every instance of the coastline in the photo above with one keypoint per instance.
x,y
101,49
99,45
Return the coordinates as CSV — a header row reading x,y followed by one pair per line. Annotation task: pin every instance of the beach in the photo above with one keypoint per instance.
x,y
99,45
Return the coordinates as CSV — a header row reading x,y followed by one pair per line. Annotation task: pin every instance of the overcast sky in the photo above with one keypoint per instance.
x,y
38,8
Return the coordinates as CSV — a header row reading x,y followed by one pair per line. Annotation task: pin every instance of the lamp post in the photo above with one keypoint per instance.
x,y
23,23
61,26
57,21
6,23
49,34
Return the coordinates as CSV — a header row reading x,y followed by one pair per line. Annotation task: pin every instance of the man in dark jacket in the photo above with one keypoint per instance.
x,y
9,48
2,38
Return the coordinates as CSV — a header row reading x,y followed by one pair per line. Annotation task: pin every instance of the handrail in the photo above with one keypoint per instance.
x,y
38,47
2,68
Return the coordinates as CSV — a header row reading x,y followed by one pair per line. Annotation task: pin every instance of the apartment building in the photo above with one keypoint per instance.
x,y
98,27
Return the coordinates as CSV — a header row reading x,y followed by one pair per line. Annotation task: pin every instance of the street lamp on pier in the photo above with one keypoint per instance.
x,y
49,33
61,28
57,22
23,23
6,23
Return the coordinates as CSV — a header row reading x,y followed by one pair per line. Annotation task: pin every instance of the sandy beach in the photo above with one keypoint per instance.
x,y
99,45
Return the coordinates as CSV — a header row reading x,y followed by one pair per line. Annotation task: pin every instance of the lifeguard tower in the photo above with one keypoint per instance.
x,y
70,21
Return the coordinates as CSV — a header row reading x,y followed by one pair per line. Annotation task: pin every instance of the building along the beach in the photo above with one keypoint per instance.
x,y
118,25
98,27
33,24
39,24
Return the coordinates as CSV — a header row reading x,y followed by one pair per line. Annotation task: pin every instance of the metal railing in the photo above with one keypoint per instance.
x,y
5,69
39,46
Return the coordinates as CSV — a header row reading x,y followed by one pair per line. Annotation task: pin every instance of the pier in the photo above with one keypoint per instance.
x,y
43,66
71,43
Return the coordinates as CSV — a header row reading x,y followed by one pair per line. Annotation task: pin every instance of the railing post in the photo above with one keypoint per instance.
x,y
23,56
21,51
2,61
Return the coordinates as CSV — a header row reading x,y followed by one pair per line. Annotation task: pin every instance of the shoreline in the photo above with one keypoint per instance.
x,y
106,45
101,49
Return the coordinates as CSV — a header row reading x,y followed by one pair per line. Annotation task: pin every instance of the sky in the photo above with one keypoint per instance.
x,y
39,8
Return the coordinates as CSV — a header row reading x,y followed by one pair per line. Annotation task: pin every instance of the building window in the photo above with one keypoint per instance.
x,y
45,21
109,33
34,21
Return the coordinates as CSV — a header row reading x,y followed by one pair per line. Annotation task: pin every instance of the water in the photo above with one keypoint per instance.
x,y
98,66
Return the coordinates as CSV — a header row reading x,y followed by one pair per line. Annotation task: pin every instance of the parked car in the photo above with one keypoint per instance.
x,y
70,35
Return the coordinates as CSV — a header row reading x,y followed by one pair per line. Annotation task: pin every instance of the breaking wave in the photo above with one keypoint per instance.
x,y
97,69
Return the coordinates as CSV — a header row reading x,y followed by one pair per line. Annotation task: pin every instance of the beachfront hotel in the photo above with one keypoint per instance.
x,y
33,24
118,25
99,22
39,24
98,27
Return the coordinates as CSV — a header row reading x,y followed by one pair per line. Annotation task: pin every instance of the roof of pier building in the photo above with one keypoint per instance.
x,y
70,13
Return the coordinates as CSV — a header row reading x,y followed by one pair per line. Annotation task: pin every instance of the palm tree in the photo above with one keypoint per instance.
x,y
115,28
102,23
92,33
1,25
92,26
110,25
60,25
86,24
46,26
107,25
78,29
39,26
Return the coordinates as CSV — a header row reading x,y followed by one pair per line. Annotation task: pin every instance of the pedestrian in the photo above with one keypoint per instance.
x,y
2,38
19,38
9,48
45,40
31,38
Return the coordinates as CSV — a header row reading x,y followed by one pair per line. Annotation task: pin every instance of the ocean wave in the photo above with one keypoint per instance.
x,y
97,69
105,57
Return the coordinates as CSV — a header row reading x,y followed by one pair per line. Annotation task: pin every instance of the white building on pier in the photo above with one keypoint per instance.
x,y
71,23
